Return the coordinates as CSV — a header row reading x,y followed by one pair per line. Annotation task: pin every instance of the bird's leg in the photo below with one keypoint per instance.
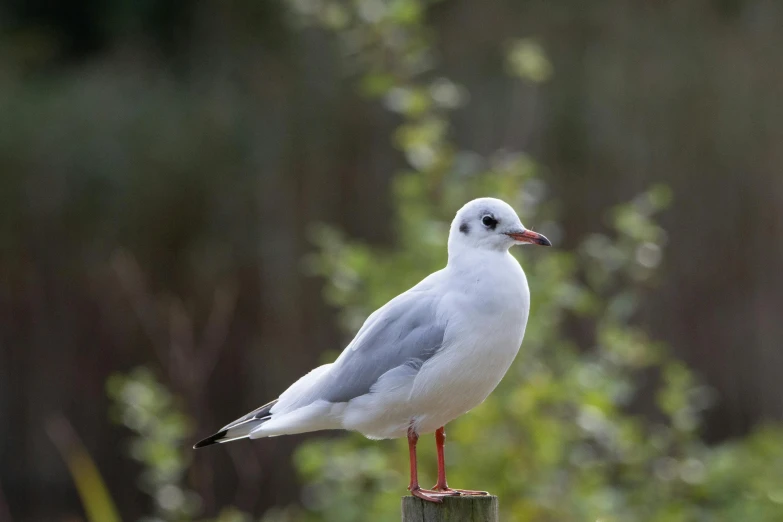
x,y
440,440
442,486
414,487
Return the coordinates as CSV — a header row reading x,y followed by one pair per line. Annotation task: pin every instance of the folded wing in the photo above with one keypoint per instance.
x,y
404,332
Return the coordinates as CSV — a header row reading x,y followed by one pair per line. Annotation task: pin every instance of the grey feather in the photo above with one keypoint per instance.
x,y
405,331
259,413
240,428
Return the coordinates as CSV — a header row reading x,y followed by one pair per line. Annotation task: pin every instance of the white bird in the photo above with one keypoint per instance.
x,y
426,357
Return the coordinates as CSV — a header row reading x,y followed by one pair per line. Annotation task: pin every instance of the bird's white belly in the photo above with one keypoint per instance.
x,y
461,376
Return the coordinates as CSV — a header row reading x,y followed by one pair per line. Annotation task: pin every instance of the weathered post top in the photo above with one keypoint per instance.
x,y
454,509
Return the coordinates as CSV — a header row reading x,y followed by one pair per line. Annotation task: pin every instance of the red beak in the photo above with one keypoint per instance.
x,y
528,236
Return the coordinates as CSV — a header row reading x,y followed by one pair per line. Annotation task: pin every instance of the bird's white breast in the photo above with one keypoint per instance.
x,y
486,313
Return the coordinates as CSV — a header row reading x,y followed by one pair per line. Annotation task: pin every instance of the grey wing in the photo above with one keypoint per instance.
x,y
406,331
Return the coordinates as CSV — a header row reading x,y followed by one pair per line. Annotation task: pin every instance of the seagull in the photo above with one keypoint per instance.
x,y
423,359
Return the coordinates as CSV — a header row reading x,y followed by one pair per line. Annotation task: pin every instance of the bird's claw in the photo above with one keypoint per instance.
x,y
442,492
451,491
429,496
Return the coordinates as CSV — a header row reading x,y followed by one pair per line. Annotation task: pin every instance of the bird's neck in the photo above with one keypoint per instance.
x,y
468,260
492,279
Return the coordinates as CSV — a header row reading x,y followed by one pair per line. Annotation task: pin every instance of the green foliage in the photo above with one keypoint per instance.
x,y
526,59
149,410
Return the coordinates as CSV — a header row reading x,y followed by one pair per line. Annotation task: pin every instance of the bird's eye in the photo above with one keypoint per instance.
x,y
489,221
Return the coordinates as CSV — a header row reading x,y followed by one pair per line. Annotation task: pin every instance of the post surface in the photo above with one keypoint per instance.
x,y
453,509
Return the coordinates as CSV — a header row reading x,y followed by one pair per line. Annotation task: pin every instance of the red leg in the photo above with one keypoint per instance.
x,y
442,486
414,487
440,440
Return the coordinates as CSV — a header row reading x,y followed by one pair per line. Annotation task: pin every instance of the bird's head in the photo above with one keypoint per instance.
x,y
490,224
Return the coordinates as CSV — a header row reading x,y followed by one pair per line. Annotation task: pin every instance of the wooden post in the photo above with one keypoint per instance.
x,y
453,509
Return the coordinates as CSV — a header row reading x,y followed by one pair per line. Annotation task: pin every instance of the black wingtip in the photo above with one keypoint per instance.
x,y
212,439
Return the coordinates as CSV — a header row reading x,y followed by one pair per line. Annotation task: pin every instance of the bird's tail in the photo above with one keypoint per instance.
x,y
240,428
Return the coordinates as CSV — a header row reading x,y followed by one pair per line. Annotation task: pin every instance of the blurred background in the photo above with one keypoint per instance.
x,y
201,201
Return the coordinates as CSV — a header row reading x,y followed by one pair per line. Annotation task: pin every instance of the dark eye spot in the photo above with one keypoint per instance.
x,y
489,222
464,228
